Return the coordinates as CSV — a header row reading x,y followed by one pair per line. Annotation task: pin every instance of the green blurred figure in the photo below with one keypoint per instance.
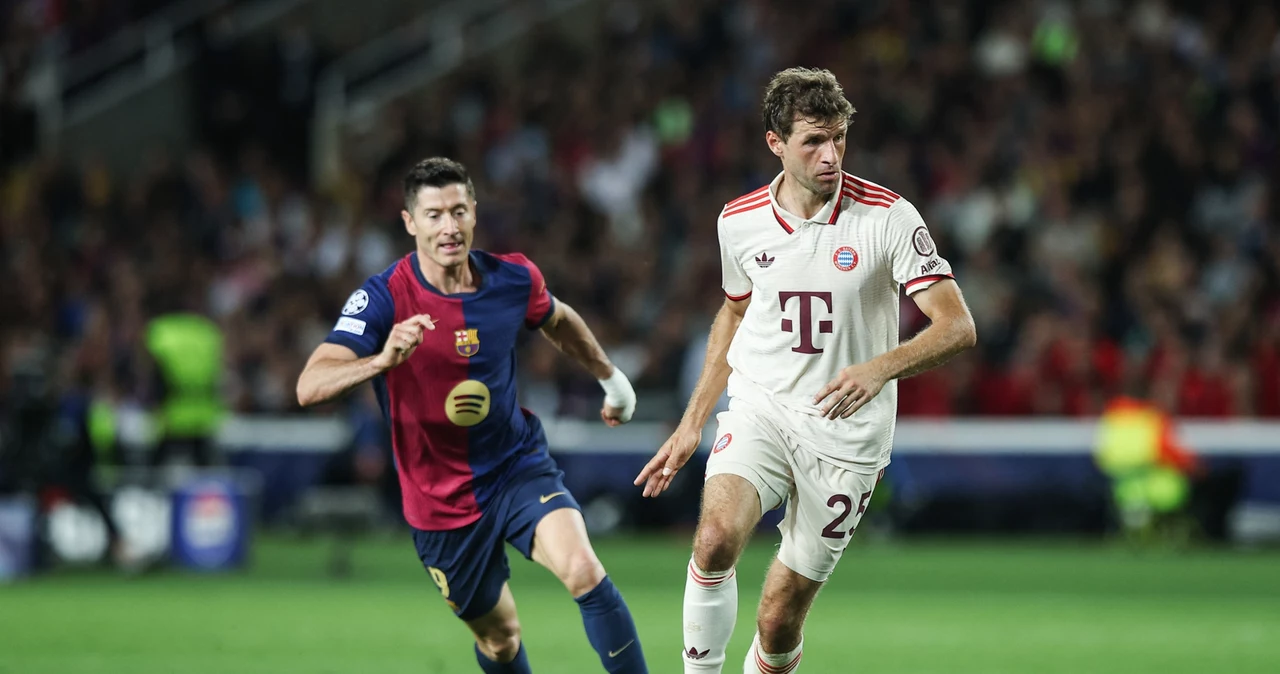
x,y
187,349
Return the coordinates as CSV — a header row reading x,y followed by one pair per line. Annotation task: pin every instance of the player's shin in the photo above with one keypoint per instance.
x,y
710,610
520,665
611,630
759,662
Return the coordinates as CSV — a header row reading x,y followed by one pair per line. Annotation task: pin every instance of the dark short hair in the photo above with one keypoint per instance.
x,y
435,172
813,94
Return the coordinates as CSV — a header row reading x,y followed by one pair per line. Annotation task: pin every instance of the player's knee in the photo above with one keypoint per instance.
x,y
500,642
715,547
582,572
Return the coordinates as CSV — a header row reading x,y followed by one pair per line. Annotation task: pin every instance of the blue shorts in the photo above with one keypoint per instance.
x,y
469,565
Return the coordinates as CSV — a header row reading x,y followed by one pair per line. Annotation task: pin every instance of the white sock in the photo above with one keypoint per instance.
x,y
710,610
759,662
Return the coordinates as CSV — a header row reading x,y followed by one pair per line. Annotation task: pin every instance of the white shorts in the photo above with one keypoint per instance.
x,y
824,501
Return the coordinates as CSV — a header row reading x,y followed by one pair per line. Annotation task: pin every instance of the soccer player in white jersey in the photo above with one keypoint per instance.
x,y
807,342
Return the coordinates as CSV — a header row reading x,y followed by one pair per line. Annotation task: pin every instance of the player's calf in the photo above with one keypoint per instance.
x,y
611,629
518,663
779,628
500,641
784,604
499,649
561,545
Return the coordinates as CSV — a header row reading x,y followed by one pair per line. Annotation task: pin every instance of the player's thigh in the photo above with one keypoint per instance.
x,y
751,446
544,522
747,475
467,565
562,546
822,515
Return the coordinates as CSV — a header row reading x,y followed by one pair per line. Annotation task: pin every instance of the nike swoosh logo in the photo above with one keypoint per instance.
x,y
614,654
548,497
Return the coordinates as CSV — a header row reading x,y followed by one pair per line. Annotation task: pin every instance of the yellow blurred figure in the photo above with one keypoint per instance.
x,y
1150,470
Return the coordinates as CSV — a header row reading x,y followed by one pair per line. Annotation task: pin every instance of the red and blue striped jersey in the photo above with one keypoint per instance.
x,y
457,429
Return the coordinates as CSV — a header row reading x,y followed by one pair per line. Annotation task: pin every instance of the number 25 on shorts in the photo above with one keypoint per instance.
x,y
840,500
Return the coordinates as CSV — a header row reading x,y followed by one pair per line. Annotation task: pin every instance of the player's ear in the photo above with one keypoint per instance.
x,y
409,225
775,143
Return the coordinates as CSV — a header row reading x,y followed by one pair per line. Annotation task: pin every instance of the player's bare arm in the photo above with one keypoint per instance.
x,y
334,369
574,338
951,331
675,452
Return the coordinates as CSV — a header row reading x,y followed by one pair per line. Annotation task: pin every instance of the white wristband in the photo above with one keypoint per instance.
x,y
619,394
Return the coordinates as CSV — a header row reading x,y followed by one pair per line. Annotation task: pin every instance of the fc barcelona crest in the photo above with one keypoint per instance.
x,y
467,342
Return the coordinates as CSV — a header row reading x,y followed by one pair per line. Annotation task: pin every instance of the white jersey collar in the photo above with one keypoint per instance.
x,y
791,222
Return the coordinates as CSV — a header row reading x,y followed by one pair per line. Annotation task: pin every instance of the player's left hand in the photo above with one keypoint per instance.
x,y
614,416
854,387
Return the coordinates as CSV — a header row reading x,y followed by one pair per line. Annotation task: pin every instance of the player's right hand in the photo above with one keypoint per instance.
x,y
403,340
662,468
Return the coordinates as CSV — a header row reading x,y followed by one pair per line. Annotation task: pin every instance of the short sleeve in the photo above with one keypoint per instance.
x,y
912,252
736,284
366,319
541,303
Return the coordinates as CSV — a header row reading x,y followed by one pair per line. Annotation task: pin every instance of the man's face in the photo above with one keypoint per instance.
x,y
443,223
812,154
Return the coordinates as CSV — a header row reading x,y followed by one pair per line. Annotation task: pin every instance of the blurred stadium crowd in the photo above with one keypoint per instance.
x,y
1104,176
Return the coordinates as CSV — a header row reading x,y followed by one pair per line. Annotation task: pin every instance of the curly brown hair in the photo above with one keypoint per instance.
x,y
812,94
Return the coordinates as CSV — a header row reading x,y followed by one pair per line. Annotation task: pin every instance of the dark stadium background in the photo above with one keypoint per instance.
x,y
1104,177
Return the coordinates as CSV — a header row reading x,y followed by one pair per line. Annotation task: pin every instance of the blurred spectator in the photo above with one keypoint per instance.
x,y
1104,176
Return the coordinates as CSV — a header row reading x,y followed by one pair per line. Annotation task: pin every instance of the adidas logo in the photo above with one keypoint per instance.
x,y
764,260
695,654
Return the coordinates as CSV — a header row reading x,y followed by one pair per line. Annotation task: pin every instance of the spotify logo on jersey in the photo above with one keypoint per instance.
x,y
468,403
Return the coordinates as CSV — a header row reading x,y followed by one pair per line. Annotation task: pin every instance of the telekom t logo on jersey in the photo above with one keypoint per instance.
x,y
806,318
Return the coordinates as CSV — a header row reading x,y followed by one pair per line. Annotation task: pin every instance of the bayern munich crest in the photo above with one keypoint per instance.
x,y
722,443
845,259
467,342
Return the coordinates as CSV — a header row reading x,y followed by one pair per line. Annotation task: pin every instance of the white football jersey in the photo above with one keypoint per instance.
x,y
824,295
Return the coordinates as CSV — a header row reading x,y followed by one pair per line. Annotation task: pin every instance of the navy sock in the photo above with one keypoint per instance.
x,y
518,666
611,630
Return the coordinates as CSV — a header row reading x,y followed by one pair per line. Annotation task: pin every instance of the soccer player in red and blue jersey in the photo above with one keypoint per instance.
x,y
436,334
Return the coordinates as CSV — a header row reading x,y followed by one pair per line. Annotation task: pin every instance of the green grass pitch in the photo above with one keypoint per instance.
x,y
909,607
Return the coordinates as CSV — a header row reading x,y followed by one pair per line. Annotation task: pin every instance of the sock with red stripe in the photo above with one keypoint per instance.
x,y
759,662
710,610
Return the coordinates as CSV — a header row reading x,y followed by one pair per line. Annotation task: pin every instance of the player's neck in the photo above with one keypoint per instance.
x,y
798,200
448,280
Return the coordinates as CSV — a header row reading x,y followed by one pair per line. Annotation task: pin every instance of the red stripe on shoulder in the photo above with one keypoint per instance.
x,y
871,187
870,201
743,208
737,298
871,195
748,197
